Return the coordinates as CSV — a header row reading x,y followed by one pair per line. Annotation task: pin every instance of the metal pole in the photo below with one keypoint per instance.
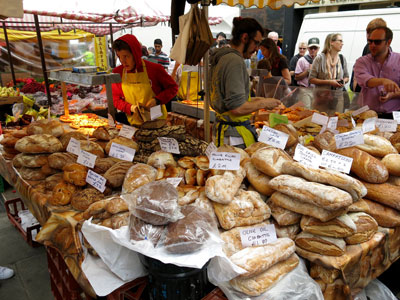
x,y
9,54
112,42
207,91
40,43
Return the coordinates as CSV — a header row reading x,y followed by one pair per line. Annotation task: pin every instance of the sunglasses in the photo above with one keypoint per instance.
x,y
302,48
376,42
313,48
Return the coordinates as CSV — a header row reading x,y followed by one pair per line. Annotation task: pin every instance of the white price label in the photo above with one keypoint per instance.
x,y
211,148
122,152
74,146
175,181
87,159
169,145
307,157
127,131
224,161
273,137
96,180
336,161
360,110
343,123
111,122
368,125
257,236
155,112
332,123
386,125
323,129
319,119
349,139
396,116
353,122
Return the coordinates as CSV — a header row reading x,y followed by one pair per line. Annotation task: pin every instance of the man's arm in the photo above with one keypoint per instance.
x,y
389,85
254,105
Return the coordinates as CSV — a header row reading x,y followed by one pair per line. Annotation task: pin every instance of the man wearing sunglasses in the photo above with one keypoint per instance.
x,y
295,59
378,74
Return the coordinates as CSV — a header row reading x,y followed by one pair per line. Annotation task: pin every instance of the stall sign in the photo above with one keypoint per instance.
x,y
87,159
74,146
122,152
155,112
369,125
275,119
360,110
332,123
273,137
258,236
386,125
349,139
100,45
224,161
127,131
307,157
169,145
336,161
96,180
319,119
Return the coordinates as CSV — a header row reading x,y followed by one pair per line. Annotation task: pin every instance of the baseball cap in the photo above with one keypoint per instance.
x,y
313,42
157,42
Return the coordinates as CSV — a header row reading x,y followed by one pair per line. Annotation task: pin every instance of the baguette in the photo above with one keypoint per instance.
x,y
321,244
342,226
327,197
384,193
366,166
376,145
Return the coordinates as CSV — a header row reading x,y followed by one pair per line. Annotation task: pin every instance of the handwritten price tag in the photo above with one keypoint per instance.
x,y
336,161
155,112
225,161
175,181
369,125
332,123
127,131
273,137
169,145
122,152
87,159
319,119
96,180
396,116
349,139
386,125
257,236
360,110
211,148
74,146
111,122
307,157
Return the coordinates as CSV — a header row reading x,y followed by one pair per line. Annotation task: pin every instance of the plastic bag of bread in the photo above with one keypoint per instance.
x,y
140,231
155,203
138,175
190,233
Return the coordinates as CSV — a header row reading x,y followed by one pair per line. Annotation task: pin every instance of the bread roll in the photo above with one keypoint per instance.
x,y
59,160
30,160
62,193
116,174
247,208
289,231
75,173
321,244
81,200
66,137
259,284
187,194
339,227
366,166
171,172
122,141
325,141
376,145
96,210
366,228
202,162
223,188
256,260
38,143
53,180
116,205
270,160
190,176
138,175
290,131
187,162
201,177
327,197
353,186
46,126
256,146
257,179
304,208
282,215
392,163
161,159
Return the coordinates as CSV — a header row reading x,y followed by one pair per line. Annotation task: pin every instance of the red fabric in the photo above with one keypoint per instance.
x,y
164,87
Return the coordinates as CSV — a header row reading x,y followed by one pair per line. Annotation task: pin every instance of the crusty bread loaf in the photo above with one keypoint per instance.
x,y
9,141
101,165
81,200
304,208
327,197
116,205
325,141
46,169
270,160
353,186
338,227
38,143
60,159
366,166
384,193
75,173
395,180
256,146
289,231
321,244
32,173
247,208
105,133
205,203
161,159
30,160
366,228
53,180
257,179
138,175
259,284
376,145
327,275
122,141
384,215
116,174
66,137
46,126
223,188
290,131
92,147
62,193
395,140
256,260
392,163
190,176
282,215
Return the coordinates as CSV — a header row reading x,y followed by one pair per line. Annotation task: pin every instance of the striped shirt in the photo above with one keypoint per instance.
x,y
161,59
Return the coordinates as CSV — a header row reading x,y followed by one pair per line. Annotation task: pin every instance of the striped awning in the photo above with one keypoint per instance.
x,y
274,4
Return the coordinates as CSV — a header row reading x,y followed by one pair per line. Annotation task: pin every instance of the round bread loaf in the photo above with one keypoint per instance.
x,y
84,198
75,173
92,147
60,159
162,160
45,126
32,173
105,133
187,162
138,175
65,138
53,180
122,141
116,174
30,160
62,193
39,143
103,164
325,141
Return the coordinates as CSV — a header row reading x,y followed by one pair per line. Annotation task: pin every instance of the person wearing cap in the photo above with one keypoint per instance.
x,y
158,56
378,74
144,84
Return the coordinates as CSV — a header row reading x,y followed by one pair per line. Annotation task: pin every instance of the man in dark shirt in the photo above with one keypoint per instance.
x,y
159,56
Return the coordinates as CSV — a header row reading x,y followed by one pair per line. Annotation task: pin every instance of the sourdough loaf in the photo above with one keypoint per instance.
x,y
116,174
257,179
46,126
366,228
60,159
223,188
38,143
30,160
138,175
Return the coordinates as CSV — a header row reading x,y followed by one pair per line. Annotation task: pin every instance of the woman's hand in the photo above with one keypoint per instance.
x,y
335,83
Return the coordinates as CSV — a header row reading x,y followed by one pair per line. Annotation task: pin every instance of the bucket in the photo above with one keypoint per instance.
x,y
170,282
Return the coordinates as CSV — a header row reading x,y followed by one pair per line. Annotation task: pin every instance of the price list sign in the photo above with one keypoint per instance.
x,y
307,157
336,161
349,139
386,125
360,110
87,159
319,119
74,146
225,161
258,236
127,131
169,145
273,137
122,152
155,112
96,180
369,125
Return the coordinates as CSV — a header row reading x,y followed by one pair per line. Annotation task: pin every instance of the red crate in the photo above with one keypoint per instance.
x,y
216,294
13,206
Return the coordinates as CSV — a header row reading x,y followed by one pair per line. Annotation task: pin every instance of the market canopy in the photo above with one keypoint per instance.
x,y
274,4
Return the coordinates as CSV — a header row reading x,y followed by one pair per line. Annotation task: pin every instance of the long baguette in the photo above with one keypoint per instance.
x,y
384,193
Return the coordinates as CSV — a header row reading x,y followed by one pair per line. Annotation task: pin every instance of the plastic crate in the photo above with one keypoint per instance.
x,y
13,206
216,294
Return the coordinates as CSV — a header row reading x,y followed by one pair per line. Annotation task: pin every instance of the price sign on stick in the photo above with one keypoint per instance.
x,y
96,180
169,145
87,159
319,119
74,146
307,157
211,148
360,110
336,161
396,116
155,112
349,139
225,161
332,123
257,236
369,125
273,137
122,152
127,131
386,125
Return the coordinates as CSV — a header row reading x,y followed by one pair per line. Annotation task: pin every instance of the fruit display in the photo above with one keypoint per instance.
x,y
8,92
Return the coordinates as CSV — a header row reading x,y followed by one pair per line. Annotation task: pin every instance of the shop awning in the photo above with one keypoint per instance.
x,y
274,4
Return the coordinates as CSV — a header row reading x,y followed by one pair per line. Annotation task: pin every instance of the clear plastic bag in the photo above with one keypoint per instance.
x,y
377,290
142,231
